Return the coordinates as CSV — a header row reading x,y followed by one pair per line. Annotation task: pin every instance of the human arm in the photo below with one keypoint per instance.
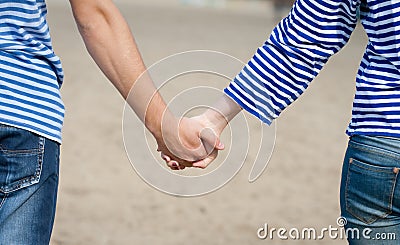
x,y
298,48
110,42
291,58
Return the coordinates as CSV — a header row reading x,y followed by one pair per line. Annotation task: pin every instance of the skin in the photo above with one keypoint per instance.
x,y
111,44
216,119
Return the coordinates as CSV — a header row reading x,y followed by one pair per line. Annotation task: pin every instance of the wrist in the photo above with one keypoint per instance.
x,y
156,115
224,110
215,119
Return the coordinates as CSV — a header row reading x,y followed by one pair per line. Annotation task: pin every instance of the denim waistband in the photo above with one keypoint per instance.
x,y
386,146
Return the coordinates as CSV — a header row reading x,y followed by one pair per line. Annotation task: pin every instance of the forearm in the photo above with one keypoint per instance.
x,y
222,112
110,42
298,48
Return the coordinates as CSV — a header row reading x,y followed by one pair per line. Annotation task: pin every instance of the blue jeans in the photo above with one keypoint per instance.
x,y
29,167
370,190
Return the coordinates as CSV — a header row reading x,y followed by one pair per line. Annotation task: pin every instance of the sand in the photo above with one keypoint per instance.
x,y
103,201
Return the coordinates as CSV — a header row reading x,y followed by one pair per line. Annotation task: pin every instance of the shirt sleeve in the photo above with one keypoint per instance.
x,y
292,57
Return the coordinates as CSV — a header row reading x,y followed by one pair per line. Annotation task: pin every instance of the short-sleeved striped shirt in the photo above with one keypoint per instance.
x,y
302,43
30,72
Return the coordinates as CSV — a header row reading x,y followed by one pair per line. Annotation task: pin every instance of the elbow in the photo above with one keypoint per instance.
x,y
86,24
89,17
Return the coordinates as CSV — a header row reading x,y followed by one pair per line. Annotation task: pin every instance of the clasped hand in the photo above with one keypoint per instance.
x,y
189,142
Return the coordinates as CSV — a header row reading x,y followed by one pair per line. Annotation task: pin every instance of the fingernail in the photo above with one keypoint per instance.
x,y
174,164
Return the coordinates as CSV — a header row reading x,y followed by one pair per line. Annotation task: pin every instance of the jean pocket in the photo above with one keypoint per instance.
x,y
21,157
369,190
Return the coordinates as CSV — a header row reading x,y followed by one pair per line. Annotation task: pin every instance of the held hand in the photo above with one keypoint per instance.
x,y
208,128
208,133
188,142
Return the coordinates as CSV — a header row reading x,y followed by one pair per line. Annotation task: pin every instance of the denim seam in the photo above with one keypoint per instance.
x,y
30,179
390,204
38,172
3,200
393,189
374,170
10,152
375,150
40,156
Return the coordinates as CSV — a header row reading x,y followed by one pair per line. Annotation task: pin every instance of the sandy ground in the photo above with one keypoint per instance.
x,y
103,201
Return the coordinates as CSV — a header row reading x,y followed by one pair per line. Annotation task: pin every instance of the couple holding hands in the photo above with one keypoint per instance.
x,y
32,112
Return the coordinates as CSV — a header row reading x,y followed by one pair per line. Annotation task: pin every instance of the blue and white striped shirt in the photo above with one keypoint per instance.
x,y
30,72
302,43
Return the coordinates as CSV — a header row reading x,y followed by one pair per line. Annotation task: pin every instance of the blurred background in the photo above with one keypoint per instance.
x,y
101,198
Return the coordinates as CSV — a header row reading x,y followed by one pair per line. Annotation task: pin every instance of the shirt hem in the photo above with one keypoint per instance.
x,y
29,128
377,134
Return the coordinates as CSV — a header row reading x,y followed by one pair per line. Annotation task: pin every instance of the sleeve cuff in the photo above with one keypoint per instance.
x,y
247,104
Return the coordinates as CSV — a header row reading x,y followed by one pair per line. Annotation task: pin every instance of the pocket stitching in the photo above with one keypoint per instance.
x,y
23,151
30,180
391,197
371,168
3,200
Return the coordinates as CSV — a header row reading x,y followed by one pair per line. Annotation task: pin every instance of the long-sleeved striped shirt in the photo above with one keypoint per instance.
x,y
302,43
30,72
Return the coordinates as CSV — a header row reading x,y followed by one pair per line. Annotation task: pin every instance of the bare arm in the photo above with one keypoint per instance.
x,y
110,42
223,111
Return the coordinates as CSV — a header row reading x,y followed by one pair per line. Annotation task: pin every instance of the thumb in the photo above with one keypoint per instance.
x,y
211,140
218,144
